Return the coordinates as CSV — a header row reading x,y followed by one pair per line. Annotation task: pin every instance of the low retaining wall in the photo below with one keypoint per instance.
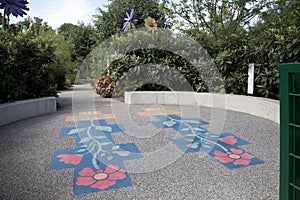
x,y
261,107
11,112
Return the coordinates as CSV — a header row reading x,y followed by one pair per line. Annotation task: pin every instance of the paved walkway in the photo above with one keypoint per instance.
x,y
157,159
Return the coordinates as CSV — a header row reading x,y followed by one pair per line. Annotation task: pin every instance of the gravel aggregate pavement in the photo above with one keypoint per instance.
x,y
27,147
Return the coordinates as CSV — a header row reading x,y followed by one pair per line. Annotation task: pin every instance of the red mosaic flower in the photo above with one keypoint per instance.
x,y
100,179
127,153
70,159
192,146
229,140
237,157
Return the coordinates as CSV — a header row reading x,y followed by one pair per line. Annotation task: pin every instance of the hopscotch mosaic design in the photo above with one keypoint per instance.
x,y
225,147
98,161
94,147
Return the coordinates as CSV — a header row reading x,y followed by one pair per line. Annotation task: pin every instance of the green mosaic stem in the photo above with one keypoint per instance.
x,y
97,143
93,139
201,138
94,161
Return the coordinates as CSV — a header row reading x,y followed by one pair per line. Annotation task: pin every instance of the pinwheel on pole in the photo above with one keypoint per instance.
x,y
26,25
14,7
129,20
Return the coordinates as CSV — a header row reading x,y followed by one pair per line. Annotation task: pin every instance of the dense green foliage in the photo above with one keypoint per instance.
x,y
235,34
82,37
156,60
233,39
26,67
37,62
109,21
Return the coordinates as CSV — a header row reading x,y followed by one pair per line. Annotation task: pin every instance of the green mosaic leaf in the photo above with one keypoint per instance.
x,y
115,147
213,136
190,121
206,146
185,129
84,140
189,139
104,128
169,123
100,137
190,135
76,131
105,143
206,143
103,154
200,129
81,150
194,146
110,158
122,153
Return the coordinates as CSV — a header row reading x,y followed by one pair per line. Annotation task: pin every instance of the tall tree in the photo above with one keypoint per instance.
x,y
81,36
39,25
213,16
109,21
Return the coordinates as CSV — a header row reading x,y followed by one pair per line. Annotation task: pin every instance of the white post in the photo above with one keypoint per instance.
x,y
107,65
251,78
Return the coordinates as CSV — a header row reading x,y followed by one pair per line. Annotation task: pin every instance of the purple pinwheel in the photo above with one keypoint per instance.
x,y
129,20
14,7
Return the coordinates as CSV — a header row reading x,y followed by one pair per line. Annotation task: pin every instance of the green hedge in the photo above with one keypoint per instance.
x,y
165,67
26,67
264,45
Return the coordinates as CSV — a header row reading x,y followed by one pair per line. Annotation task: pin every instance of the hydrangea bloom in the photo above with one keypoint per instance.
x,y
14,7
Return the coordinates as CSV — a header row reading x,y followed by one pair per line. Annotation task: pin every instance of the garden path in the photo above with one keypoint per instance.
x,y
145,152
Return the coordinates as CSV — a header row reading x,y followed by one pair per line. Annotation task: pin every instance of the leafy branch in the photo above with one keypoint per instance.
x,y
94,144
206,140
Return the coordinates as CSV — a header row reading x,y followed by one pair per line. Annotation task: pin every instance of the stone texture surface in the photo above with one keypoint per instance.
x,y
26,149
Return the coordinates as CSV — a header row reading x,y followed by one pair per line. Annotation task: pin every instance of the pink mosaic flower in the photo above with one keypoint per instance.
x,y
69,159
192,146
127,153
101,179
229,140
235,156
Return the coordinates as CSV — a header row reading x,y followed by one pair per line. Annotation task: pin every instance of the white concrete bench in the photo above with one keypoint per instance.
x,y
11,112
261,107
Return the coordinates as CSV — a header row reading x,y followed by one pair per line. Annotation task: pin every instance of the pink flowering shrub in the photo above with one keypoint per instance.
x,y
105,86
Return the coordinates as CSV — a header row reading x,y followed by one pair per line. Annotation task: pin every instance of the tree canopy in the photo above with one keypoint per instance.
x,y
109,21
234,33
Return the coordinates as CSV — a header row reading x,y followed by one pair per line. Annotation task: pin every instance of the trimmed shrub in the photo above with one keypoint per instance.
x,y
26,68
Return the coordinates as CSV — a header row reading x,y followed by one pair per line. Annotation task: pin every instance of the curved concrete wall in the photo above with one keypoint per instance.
x,y
261,107
11,112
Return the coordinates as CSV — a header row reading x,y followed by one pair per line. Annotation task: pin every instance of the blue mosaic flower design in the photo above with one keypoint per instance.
x,y
222,147
97,160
